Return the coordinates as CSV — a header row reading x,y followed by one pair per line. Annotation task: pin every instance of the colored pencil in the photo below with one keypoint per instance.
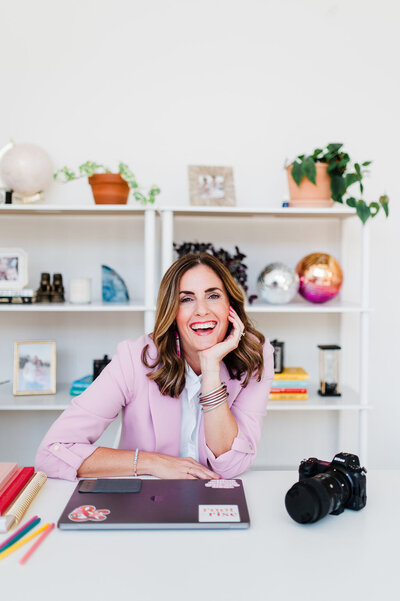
x,y
19,544
19,533
36,544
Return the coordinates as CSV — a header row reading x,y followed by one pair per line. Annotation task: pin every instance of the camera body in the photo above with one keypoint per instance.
x,y
99,365
343,464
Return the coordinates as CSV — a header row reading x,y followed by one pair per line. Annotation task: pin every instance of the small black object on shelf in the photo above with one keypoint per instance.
x,y
99,365
279,363
50,293
57,289
43,293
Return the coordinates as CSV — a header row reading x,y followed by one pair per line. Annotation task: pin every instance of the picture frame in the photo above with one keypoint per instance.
x,y
34,367
211,186
13,268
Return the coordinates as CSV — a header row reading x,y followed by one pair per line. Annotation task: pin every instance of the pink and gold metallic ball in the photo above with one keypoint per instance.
x,y
320,276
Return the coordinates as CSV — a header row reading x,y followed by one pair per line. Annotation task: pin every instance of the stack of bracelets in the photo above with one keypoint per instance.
x,y
213,399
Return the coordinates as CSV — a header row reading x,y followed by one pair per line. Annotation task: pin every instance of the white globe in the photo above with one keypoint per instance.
x,y
26,169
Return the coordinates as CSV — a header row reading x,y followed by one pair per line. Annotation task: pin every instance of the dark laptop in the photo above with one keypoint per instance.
x,y
156,504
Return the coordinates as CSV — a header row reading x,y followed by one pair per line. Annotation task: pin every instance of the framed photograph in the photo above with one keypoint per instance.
x,y
13,268
34,367
211,186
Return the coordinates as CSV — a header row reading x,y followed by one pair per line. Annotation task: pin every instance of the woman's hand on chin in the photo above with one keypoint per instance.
x,y
215,354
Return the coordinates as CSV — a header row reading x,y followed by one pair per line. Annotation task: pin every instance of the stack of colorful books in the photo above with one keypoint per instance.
x,y
79,386
290,385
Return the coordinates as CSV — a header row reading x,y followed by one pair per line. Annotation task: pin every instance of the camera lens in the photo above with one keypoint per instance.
x,y
312,499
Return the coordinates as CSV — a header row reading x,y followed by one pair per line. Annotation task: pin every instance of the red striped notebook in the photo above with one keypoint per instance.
x,y
15,485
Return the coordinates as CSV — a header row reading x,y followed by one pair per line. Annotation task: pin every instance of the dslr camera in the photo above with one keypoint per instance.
x,y
325,487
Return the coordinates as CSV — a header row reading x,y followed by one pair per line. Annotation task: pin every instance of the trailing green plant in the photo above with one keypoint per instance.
x,y
342,177
90,168
234,263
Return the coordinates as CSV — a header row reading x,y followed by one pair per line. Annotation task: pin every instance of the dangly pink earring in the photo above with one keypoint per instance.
x,y
178,344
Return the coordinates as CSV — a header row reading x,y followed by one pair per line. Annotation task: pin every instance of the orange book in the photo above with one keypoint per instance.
x,y
288,397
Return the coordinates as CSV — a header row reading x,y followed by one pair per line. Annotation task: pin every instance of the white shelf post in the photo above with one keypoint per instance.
x,y
364,346
167,239
149,268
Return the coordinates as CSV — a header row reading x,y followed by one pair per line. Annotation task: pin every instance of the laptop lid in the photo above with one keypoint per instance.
x,y
159,504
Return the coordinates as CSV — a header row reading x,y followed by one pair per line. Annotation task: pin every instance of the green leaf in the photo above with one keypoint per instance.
x,y
384,201
334,147
140,197
358,169
331,168
351,202
338,187
297,172
350,179
65,175
375,207
342,163
366,163
309,170
316,152
363,211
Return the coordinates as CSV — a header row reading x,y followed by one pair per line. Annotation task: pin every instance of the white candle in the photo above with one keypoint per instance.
x,y
80,290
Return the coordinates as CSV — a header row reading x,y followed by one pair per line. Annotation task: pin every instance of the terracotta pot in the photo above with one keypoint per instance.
x,y
309,194
109,189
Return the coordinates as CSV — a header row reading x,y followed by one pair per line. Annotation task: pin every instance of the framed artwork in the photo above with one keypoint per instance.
x,y
13,268
34,367
211,186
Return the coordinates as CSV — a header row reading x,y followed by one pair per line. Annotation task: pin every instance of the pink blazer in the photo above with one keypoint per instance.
x,y
150,421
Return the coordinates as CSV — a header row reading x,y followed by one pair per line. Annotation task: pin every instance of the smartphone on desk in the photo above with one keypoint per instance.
x,y
116,485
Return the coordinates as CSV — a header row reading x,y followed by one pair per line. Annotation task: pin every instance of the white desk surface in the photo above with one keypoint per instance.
x,y
354,556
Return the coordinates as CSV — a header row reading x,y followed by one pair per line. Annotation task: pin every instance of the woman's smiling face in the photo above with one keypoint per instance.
x,y
202,317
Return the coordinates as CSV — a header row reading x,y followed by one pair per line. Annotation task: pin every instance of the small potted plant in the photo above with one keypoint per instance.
x,y
108,187
322,178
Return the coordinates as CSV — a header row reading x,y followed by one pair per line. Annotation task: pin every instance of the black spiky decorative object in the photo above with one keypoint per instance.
x,y
234,263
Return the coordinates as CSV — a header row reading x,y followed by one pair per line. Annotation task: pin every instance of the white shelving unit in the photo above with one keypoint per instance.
x,y
350,400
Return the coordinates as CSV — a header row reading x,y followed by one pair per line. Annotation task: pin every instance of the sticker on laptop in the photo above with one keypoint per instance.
x,y
219,513
222,483
88,513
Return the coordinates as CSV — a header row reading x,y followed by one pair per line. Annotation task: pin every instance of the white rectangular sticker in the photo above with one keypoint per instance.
x,y
219,513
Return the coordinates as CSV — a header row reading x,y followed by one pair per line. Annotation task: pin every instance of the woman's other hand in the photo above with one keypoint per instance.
x,y
171,468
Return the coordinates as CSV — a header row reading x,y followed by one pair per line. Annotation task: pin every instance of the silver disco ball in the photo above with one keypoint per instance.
x,y
278,284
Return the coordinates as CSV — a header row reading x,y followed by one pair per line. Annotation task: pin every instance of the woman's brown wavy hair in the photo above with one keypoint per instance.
x,y
247,359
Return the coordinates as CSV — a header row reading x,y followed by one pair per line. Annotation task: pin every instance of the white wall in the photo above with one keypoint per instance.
x,y
245,83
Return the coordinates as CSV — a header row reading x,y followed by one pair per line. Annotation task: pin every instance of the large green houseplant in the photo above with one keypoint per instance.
x,y
108,187
342,175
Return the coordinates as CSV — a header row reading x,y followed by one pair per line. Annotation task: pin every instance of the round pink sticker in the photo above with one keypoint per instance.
x,y
222,484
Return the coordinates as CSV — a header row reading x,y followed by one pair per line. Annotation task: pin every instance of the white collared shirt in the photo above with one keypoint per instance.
x,y
190,415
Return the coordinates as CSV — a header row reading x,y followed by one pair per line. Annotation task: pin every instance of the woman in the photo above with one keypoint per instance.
x,y
193,394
